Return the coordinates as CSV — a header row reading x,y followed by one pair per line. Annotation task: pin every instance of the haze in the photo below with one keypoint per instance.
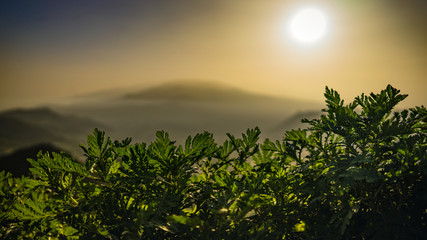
x,y
51,50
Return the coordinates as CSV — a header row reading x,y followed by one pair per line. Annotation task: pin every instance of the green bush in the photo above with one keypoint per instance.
x,y
357,172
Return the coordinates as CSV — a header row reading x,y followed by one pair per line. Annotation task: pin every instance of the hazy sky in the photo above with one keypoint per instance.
x,y
54,49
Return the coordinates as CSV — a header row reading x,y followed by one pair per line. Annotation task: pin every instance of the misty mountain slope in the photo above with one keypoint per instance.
x,y
15,133
218,93
16,162
24,127
294,121
193,91
187,107
49,119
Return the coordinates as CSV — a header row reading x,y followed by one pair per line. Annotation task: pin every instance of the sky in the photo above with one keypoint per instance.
x,y
50,50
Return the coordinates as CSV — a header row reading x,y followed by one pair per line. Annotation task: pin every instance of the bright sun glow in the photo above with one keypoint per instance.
x,y
308,25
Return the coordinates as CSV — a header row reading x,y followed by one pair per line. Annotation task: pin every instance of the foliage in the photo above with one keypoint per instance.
x,y
357,172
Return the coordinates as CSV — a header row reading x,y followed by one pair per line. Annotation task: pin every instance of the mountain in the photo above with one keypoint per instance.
x,y
294,121
24,127
181,108
194,91
16,162
187,107
47,118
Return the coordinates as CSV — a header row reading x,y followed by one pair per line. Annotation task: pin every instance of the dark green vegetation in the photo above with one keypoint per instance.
x,y
357,172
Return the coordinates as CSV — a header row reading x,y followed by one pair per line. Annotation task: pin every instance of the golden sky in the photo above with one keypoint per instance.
x,y
55,49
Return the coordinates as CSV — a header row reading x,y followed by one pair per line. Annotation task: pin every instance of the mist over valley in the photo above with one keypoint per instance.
x,y
181,108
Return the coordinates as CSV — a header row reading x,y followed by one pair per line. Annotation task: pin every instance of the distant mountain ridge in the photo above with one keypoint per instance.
x,y
24,127
185,107
194,91
182,108
48,119
16,162
294,121
15,133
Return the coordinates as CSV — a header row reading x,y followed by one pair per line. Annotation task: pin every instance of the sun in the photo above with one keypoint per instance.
x,y
308,25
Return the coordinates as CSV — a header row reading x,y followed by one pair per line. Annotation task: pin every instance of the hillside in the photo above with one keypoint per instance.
x,y
294,121
47,118
16,162
25,127
188,107
195,91
181,108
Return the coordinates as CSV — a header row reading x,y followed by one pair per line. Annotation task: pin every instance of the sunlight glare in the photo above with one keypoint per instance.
x,y
309,25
